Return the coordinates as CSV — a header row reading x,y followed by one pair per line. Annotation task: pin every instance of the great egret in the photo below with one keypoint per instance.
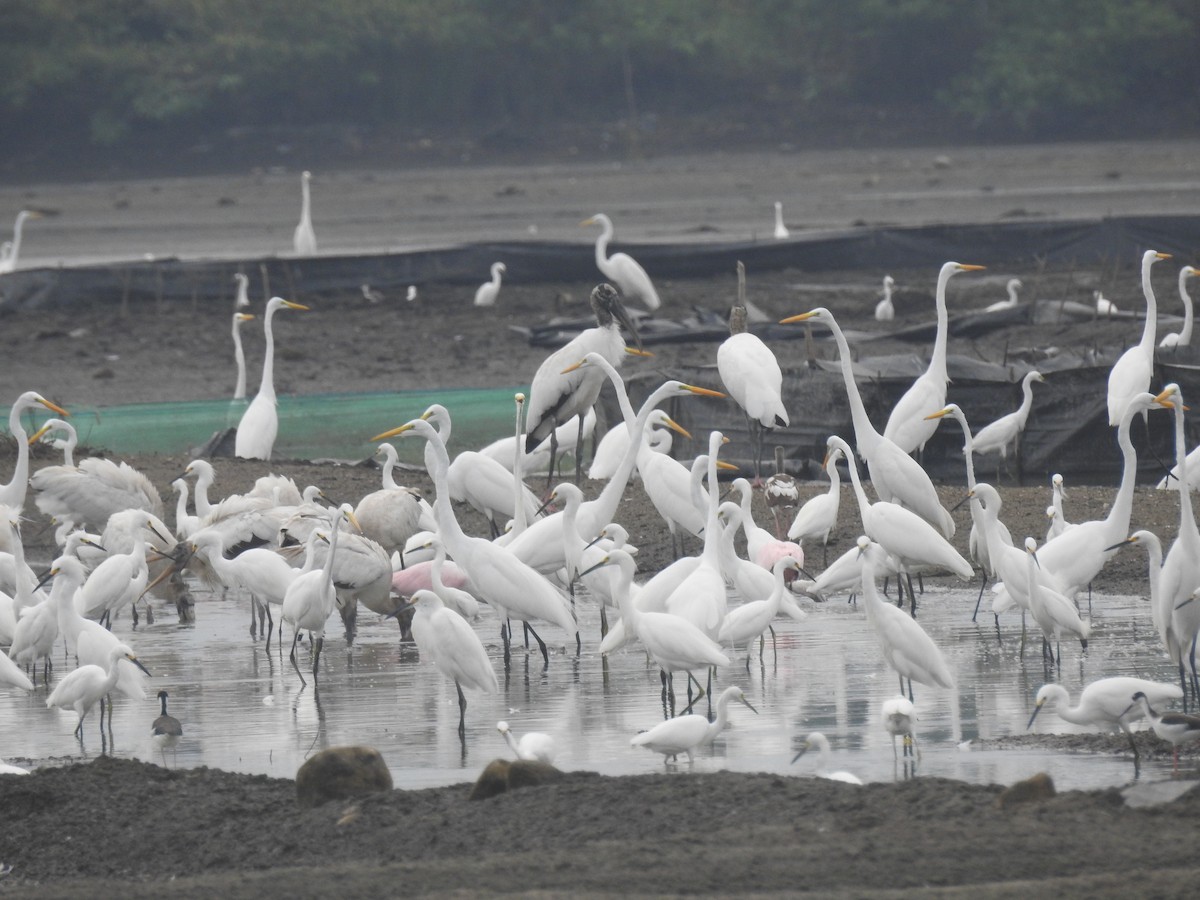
x,y
1175,728
8,262
309,600
615,441
444,636
818,516
486,293
304,239
1104,306
900,720
242,299
239,355
895,475
751,619
1014,285
907,426
260,422
1106,702
557,392
906,647
687,734
751,376
13,494
781,230
166,730
621,268
817,741
259,571
885,311
1183,337
533,744
88,685
1006,430
1131,373
1055,614
500,577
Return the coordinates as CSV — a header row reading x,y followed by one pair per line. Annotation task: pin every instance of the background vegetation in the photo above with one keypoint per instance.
x,y
122,73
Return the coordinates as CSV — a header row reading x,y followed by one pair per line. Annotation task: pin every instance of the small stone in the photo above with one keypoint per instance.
x,y
502,775
1031,790
341,773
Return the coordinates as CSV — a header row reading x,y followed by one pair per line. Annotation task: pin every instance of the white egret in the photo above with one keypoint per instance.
x,y
1006,430
486,293
454,597
1175,728
1054,613
1058,493
239,355
751,619
904,534
166,730
533,744
34,636
885,311
1106,702
260,422
1104,306
8,261
88,685
818,516
907,426
560,390
445,637
1131,373
687,734
896,476
117,582
781,230
1183,337
304,239
751,375
259,571
621,268
1014,285
12,494
906,647
242,300
501,578
615,441
900,720
10,673
310,599
762,547
817,741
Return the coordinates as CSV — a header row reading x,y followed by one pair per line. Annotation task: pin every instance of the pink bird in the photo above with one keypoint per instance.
x,y
762,547
418,577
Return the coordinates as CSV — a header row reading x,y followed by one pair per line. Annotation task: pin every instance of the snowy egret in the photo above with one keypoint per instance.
x,y
242,299
260,422
900,720
686,734
751,376
817,741
621,268
1183,337
1054,613
896,476
309,600
166,731
1131,373
1058,493
532,745
88,685
1107,701
751,619
486,293
818,516
907,426
1176,728
885,311
304,239
445,637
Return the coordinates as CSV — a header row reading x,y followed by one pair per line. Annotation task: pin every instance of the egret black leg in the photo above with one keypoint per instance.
x,y
462,710
541,645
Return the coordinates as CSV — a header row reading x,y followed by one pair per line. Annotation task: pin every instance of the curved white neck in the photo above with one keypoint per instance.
x,y
937,362
1150,327
864,503
13,493
1026,400
602,243
18,230
865,435
239,390
1122,507
389,464
1187,518
1185,333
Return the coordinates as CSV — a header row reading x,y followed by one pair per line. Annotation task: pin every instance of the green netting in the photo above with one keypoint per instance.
x,y
338,426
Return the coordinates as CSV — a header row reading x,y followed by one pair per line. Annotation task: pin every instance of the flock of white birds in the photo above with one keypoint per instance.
x,y
300,560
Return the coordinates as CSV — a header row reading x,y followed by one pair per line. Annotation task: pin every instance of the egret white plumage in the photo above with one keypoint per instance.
x,y
885,311
486,293
88,685
445,637
781,230
260,422
615,441
8,262
310,599
1006,430
1058,493
1104,306
907,426
1055,614
1106,702
818,516
239,355
259,571
895,475
752,618
242,299
1013,286
304,239
533,744
621,268
751,375
1183,337
817,741
687,734
1131,373
12,494
763,548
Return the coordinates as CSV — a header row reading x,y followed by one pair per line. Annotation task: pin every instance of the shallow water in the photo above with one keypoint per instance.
x,y
244,708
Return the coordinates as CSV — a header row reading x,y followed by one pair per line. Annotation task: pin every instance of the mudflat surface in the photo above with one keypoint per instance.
x,y
113,826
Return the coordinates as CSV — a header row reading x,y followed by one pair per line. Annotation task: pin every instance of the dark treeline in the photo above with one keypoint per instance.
x,y
112,73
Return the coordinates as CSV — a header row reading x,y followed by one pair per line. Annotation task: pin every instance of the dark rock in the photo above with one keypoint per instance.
x,y
340,773
1031,790
502,775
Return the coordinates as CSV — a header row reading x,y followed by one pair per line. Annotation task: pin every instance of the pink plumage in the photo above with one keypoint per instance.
x,y
774,550
417,577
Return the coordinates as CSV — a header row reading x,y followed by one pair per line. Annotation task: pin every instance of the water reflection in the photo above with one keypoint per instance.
x,y
243,708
